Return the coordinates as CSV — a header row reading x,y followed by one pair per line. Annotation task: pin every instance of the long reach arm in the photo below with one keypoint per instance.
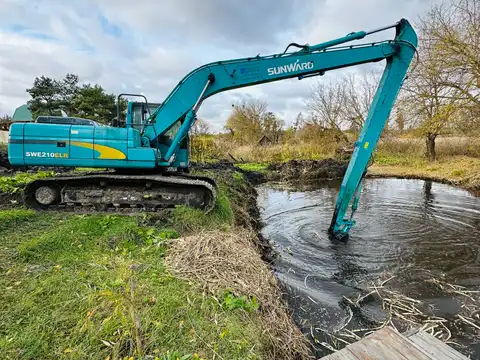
x,y
184,101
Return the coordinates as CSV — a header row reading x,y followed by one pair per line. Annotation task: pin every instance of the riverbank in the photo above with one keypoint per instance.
x,y
176,284
461,171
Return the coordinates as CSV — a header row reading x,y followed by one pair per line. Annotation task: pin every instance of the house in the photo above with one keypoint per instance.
x,y
22,114
264,141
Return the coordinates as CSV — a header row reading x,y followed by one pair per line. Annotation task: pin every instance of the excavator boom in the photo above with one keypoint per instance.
x,y
159,142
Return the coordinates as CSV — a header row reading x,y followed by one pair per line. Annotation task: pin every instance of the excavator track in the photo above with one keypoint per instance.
x,y
110,192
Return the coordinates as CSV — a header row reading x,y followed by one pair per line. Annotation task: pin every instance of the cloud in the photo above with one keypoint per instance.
x,y
148,46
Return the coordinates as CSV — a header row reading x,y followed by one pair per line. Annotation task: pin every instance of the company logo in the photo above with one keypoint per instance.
x,y
285,69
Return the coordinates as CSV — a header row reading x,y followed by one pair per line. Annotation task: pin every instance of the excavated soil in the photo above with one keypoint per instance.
x,y
306,171
253,177
299,171
4,163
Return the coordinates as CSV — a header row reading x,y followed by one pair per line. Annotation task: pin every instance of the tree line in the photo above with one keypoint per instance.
x,y
440,96
50,97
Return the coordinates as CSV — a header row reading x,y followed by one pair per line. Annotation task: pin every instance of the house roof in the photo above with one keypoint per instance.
x,y
22,114
263,139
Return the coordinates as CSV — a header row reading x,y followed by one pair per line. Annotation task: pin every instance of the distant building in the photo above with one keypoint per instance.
x,y
22,114
264,141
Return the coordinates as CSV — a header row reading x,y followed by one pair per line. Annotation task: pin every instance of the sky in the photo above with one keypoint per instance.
x,y
148,46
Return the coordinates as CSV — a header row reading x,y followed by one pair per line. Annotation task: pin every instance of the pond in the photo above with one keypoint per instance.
x,y
409,229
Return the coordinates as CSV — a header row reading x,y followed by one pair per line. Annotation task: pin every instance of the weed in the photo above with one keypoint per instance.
x,y
70,294
458,172
13,184
232,302
459,169
187,218
253,167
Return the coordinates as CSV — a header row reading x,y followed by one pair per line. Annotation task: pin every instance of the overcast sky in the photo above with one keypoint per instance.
x,y
147,46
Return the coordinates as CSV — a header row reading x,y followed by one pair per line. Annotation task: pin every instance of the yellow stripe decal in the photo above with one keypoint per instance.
x,y
106,152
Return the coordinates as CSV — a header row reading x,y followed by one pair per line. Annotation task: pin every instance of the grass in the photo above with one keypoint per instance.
x,y
458,161
283,152
463,171
259,167
13,184
96,286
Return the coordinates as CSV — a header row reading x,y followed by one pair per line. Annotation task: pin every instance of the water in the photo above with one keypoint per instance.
x,y
408,228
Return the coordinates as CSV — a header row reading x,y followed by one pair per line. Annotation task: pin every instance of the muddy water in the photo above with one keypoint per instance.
x,y
407,228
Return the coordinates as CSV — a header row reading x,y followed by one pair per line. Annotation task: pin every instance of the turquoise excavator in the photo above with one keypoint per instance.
x,y
149,149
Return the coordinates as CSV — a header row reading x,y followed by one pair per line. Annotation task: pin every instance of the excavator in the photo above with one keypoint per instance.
x,y
149,150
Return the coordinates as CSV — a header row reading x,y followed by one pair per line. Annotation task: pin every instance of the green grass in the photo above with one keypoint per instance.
x,y
13,184
383,157
260,167
95,286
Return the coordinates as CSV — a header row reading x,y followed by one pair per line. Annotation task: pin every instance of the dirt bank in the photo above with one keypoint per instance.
x,y
4,163
305,171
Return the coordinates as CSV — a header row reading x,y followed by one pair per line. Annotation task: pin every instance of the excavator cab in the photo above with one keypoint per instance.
x,y
137,117
138,114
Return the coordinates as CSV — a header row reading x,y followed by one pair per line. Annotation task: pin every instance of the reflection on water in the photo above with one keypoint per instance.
x,y
402,226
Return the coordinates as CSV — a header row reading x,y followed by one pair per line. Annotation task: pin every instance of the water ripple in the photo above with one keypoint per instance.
x,y
400,224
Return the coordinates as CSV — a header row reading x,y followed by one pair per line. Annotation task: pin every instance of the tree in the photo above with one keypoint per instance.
x,y
46,96
92,102
400,120
327,101
299,121
250,120
5,122
51,96
68,88
429,100
200,127
359,94
455,28
245,122
437,89
272,127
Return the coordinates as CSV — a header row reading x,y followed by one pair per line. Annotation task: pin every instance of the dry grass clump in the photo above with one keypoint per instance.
x,y
229,260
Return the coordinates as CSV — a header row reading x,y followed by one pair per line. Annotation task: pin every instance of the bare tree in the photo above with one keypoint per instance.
x,y
327,101
272,126
359,93
430,101
200,127
455,28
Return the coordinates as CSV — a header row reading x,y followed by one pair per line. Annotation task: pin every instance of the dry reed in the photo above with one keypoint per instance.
x,y
229,260
405,313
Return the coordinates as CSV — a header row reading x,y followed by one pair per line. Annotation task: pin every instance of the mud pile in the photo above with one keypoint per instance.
x,y
4,163
253,177
307,170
